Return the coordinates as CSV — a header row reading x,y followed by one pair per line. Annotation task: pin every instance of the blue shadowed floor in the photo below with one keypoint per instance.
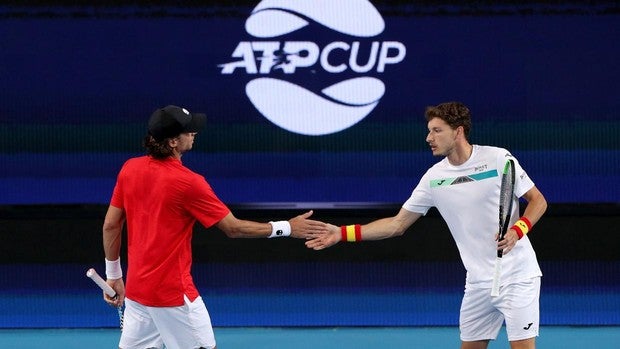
x,y
324,338
314,307
327,295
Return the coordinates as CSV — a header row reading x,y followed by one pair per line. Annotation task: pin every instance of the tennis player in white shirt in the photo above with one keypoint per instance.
x,y
465,187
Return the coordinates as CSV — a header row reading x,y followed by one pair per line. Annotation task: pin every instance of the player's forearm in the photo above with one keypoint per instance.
x,y
390,227
536,205
381,229
239,228
112,232
249,229
112,242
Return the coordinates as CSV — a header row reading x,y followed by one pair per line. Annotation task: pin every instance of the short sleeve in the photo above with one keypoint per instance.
x,y
204,204
523,183
117,199
421,199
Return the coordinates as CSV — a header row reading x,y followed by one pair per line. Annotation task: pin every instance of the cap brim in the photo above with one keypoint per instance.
x,y
197,124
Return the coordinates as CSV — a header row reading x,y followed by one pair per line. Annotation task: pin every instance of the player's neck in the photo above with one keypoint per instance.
x,y
176,154
461,154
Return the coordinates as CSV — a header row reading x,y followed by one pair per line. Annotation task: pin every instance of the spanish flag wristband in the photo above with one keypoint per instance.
x,y
522,226
351,233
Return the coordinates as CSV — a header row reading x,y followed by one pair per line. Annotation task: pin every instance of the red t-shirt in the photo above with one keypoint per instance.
x,y
162,200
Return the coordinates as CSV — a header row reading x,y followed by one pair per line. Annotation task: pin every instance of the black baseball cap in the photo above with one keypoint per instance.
x,y
171,121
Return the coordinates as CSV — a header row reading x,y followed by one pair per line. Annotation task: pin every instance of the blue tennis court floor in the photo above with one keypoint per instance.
x,y
565,337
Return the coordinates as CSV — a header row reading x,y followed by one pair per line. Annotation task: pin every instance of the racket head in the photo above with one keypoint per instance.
x,y
506,199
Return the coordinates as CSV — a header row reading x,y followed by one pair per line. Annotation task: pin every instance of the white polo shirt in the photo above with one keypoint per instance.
x,y
467,196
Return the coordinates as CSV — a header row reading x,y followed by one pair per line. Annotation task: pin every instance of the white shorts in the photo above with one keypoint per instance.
x,y
184,327
482,316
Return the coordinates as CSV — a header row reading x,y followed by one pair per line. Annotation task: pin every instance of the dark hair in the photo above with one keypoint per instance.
x,y
158,150
454,114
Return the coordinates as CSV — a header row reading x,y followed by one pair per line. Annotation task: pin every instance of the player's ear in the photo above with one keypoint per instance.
x,y
459,130
173,142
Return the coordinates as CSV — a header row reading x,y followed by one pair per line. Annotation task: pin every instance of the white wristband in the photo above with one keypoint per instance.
x,y
280,229
113,269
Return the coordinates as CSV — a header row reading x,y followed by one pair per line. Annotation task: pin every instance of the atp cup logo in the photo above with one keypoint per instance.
x,y
273,63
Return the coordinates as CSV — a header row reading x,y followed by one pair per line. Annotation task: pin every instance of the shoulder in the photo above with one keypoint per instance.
x,y
189,174
491,152
138,159
439,169
135,162
439,165
489,149
193,180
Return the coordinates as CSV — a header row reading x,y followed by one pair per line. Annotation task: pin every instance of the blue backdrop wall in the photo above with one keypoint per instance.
x,y
78,85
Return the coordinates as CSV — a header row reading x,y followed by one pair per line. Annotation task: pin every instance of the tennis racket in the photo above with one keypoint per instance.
x,y
92,274
505,209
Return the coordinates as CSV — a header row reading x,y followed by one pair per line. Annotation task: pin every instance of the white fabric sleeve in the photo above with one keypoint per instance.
x,y
523,182
420,200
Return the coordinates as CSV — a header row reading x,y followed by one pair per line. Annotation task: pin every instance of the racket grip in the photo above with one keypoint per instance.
x,y
92,274
500,253
496,276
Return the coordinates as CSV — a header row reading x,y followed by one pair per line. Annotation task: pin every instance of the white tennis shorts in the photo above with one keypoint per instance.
x,y
482,316
184,327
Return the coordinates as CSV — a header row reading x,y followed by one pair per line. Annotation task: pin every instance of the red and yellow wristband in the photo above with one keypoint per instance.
x,y
522,226
351,233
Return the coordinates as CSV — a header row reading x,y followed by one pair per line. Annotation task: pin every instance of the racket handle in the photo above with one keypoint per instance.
x,y
496,276
92,274
500,253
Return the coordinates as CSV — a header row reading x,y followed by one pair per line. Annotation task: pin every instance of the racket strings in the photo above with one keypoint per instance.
x,y
121,316
505,198
506,194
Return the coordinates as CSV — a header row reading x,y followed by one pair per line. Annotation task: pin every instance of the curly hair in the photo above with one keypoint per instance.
x,y
454,114
158,150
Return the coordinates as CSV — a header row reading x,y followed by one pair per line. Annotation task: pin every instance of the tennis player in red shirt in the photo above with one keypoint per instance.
x,y
160,200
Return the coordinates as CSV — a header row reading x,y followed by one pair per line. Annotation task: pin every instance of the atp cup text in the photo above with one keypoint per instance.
x,y
290,55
